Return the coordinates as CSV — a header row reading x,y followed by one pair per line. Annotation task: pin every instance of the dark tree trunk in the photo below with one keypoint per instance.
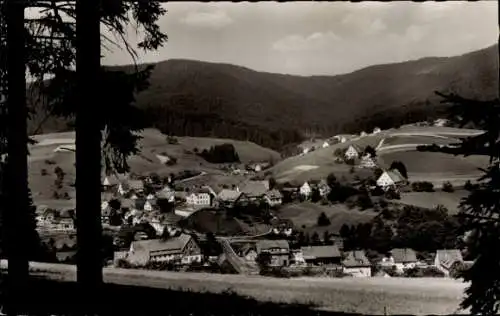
x,y
88,153
16,185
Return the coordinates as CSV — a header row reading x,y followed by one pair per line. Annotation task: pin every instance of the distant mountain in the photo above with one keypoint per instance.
x,y
198,98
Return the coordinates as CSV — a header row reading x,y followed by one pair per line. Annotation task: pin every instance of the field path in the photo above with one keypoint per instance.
x,y
368,296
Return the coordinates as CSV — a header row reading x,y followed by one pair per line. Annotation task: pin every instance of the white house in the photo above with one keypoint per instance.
x,y
357,264
150,197
362,134
351,153
148,206
325,144
389,178
305,150
305,189
199,198
376,130
367,162
163,159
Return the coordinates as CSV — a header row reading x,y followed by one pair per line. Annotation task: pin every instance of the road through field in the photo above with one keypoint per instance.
x,y
367,295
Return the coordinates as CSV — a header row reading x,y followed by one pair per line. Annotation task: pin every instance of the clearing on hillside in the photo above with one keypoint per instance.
x,y
432,199
307,214
417,162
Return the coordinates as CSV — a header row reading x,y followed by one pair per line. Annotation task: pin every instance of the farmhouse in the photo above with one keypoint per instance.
x,y
357,264
324,188
228,198
255,190
200,197
325,144
320,255
376,130
178,250
279,250
367,162
273,197
362,134
401,258
445,258
130,186
305,190
166,193
352,153
390,178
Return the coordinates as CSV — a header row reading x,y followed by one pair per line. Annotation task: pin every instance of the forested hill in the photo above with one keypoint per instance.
x,y
209,99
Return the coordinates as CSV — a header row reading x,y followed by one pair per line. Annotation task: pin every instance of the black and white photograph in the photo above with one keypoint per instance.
x,y
249,158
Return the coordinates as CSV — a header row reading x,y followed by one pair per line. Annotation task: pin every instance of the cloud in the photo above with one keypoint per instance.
x,y
363,24
215,19
312,42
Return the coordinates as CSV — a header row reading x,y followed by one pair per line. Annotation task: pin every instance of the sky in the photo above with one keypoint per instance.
x,y
318,38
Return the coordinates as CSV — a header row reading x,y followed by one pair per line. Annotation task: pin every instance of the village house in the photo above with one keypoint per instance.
x,y
297,257
376,130
401,258
279,251
325,144
248,252
322,255
357,264
130,186
254,190
445,258
323,188
167,193
273,198
305,190
341,139
390,178
178,250
110,181
352,153
199,197
228,198
362,134
367,162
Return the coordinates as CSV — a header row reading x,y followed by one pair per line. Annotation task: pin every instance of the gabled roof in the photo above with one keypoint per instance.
x,y
229,195
316,252
355,259
447,257
255,188
395,175
271,244
136,184
173,245
404,255
274,194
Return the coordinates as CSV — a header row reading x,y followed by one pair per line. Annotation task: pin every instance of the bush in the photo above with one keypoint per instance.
x,y
323,220
364,201
50,162
44,172
392,194
123,264
448,187
172,140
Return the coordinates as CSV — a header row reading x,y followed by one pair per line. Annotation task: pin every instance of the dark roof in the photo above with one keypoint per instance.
x,y
229,195
173,245
316,252
356,258
274,194
404,255
255,188
271,244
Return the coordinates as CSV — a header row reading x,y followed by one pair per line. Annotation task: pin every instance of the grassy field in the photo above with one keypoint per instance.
x,y
42,156
364,296
322,159
432,162
432,199
403,140
307,214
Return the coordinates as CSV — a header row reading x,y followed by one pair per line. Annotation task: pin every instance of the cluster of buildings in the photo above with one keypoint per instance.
x,y
354,263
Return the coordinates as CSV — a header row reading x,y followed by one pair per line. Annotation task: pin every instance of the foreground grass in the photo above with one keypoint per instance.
x,y
254,295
